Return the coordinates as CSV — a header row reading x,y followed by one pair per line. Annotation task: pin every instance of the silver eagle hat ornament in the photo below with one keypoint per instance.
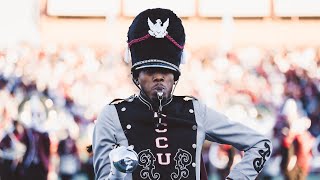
x,y
158,30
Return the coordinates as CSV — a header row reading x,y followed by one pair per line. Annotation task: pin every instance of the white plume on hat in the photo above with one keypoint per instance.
x,y
127,55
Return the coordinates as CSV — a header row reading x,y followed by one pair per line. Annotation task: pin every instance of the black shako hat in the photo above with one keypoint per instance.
x,y
156,38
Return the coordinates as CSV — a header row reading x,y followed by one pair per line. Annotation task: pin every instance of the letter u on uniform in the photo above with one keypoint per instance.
x,y
167,161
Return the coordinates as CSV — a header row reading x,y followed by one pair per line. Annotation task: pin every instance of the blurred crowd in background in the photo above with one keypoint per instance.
x,y
51,96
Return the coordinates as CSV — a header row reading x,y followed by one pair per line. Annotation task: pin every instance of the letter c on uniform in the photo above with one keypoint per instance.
x,y
158,142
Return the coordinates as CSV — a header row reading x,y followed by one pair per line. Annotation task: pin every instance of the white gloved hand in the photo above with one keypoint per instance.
x,y
123,160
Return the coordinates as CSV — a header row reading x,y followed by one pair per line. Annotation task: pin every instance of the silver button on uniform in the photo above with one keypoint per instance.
x,y
123,109
194,146
128,126
193,164
130,99
194,127
191,111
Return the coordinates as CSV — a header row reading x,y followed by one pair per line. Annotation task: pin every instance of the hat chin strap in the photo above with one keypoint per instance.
x,y
174,86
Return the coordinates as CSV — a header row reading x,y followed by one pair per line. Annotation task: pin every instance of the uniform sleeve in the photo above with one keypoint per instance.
x,y
257,148
104,137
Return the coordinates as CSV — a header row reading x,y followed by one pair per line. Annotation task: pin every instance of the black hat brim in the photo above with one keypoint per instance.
x,y
157,64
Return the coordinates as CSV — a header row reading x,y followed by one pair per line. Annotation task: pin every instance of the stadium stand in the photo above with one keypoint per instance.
x,y
83,8
244,8
297,8
132,8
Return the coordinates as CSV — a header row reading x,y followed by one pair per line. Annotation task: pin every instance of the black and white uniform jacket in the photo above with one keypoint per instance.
x,y
169,147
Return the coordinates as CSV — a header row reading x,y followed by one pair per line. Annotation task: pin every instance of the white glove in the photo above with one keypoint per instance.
x,y
123,160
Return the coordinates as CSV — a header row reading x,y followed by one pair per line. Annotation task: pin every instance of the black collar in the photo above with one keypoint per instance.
x,y
153,105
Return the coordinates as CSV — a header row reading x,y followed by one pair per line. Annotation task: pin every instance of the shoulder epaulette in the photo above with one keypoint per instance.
x,y
119,100
131,98
189,98
116,101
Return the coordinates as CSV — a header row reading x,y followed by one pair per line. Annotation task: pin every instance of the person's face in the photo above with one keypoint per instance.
x,y
153,80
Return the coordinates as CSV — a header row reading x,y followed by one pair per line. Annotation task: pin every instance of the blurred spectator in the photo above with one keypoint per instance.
x,y
228,152
88,165
12,151
69,158
296,142
223,157
37,159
